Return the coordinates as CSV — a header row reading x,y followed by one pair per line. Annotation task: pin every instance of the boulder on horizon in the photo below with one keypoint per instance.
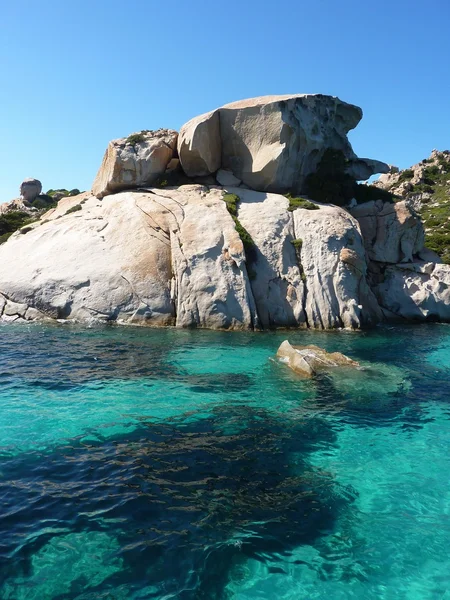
x,y
30,189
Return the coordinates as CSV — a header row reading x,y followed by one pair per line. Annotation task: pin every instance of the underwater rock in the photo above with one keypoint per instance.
x,y
309,360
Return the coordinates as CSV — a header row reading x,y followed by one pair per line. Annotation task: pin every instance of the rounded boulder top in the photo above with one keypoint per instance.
x,y
30,189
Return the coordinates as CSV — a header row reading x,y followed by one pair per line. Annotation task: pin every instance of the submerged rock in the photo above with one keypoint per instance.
x,y
309,360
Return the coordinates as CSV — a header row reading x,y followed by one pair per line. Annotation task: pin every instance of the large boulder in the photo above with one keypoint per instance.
x,y
310,360
135,161
392,233
30,189
155,258
415,291
333,261
272,143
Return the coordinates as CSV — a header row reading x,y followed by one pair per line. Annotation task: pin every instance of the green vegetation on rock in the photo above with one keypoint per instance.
x,y
300,203
136,138
231,201
298,243
11,222
73,209
331,184
430,197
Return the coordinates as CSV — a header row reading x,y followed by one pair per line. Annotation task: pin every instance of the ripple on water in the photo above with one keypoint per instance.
x,y
173,464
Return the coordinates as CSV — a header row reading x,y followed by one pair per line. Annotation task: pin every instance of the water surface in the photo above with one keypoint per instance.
x,y
164,464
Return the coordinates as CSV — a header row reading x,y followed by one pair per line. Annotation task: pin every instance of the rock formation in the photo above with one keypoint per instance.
x,y
178,237
135,161
30,189
310,360
272,143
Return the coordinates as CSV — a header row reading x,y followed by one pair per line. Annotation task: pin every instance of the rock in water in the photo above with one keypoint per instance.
x,y
135,161
30,189
309,360
272,143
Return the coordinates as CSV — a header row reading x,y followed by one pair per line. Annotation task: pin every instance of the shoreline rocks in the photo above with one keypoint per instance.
x,y
216,243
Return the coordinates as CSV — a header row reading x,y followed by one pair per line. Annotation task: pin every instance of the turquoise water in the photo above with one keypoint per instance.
x,y
166,464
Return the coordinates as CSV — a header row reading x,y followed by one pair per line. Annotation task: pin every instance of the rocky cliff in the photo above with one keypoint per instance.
x,y
211,228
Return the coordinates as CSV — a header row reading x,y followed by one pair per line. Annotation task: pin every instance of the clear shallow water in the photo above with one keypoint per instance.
x,y
164,464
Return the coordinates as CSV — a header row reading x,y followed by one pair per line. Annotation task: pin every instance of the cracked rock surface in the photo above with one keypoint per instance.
x,y
173,256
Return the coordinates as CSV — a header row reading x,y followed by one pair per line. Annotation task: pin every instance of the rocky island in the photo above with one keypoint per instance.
x,y
252,216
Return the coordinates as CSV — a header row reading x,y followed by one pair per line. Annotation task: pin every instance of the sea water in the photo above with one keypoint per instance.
x,y
158,464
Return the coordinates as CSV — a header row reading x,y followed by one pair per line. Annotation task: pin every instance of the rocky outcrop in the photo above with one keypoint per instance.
x,y
392,233
276,278
214,244
307,361
135,161
272,143
174,256
30,189
415,291
334,266
157,257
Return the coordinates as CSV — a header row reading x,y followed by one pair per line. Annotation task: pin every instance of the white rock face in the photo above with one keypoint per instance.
x,y
276,280
30,189
417,291
271,143
392,232
136,161
199,145
162,258
173,256
333,261
226,178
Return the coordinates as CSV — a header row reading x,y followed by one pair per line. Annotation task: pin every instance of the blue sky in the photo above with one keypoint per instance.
x,y
76,74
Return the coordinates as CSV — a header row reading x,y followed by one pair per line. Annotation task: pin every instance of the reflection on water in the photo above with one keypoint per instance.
x,y
175,464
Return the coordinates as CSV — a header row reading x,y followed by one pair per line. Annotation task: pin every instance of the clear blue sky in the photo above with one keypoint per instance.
x,y
76,74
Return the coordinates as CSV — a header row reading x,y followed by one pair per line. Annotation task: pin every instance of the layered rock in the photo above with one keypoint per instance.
x,y
30,189
307,361
392,233
272,143
135,161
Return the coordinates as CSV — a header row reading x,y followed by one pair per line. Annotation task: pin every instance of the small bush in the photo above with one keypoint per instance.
x,y
43,201
135,138
406,175
366,193
330,183
298,243
75,208
295,203
74,192
231,200
5,236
